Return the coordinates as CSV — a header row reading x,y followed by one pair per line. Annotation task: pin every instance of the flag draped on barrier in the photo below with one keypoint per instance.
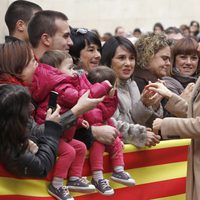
x,y
160,174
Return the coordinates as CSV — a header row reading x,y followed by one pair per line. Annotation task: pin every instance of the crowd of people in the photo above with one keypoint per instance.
x,y
118,89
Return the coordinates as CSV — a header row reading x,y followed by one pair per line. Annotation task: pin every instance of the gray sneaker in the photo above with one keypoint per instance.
x,y
123,178
61,194
81,185
103,186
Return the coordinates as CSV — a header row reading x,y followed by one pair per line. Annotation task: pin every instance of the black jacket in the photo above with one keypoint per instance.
x,y
9,38
142,78
39,164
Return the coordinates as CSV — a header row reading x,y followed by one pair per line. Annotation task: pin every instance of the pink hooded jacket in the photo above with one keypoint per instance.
x,y
47,78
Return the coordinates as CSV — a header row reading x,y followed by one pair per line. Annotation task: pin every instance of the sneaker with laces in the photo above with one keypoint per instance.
x,y
102,185
61,194
80,185
123,178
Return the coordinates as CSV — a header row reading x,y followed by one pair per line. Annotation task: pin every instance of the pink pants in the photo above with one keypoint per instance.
x,y
71,157
115,152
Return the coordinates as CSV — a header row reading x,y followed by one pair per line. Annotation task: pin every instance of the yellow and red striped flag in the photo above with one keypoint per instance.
x,y
160,174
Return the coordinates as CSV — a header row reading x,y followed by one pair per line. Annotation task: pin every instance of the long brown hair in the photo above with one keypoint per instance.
x,y
14,57
14,115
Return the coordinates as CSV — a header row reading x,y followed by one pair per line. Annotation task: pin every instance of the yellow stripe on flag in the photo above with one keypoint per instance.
x,y
161,145
156,173
160,172
24,187
176,197
10,186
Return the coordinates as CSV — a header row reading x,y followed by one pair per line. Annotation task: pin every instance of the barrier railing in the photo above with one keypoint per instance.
x,y
160,174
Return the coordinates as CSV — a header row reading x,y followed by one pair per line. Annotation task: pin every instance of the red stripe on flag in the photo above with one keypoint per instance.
x,y
145,158
144,192
132,160
140,192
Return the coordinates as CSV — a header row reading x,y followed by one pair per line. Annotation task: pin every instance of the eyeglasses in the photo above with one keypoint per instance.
x,y
82,30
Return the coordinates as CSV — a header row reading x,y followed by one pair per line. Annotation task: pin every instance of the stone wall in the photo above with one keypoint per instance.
x,y
105,15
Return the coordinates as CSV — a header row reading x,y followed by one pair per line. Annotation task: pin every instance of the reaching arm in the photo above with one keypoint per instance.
x,y
175,104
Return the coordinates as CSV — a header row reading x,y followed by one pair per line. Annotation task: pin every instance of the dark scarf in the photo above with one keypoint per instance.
x,y
183,79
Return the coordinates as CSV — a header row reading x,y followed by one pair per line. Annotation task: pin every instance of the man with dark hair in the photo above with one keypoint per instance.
x,y
49,30
137,32
17,17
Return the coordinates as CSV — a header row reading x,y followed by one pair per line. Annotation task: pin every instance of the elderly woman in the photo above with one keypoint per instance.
x,y
119,54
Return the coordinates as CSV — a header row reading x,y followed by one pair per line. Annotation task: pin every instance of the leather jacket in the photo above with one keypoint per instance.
x,y
27,164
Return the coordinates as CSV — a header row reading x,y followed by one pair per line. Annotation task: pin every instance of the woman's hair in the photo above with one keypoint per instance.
x,y
197,23
101,73
110,47
14,57
184,27
82,37
158,24
14,115
185,46
148,45
54,58
96,32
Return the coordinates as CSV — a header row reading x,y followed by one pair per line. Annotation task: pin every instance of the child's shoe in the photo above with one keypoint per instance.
x,y
81,185
61,194
103,186
123,178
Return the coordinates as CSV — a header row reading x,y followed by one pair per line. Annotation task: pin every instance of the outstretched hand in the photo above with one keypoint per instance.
x,y
160,88
186,94
105,134
157,125
152,138
150,98
85,104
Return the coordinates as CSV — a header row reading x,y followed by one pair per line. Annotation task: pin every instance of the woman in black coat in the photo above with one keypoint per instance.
x,y
16,152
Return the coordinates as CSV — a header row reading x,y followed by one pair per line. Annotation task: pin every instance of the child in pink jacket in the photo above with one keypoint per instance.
x,y
99,74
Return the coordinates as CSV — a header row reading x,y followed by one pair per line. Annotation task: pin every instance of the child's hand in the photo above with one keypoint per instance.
x,y
123,146
108,82
85,124
32,147
112,92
